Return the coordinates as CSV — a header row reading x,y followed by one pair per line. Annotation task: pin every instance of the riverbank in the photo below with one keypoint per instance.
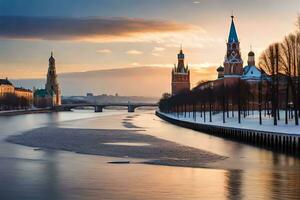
x,y
249,123
23,112
116,143
288,143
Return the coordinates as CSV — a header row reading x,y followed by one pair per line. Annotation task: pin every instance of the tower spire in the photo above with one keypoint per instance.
x,y
232,34
233,63
181,49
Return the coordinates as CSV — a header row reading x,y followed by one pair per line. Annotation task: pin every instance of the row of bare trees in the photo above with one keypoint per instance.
x,y
212,100
11,102
281,61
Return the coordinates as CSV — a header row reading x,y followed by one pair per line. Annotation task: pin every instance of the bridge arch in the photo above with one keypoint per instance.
x,y
99,107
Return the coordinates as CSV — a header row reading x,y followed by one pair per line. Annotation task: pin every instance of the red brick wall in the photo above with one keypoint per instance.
x,y
180,83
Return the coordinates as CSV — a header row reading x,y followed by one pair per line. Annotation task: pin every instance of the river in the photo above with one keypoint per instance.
x,y
248,173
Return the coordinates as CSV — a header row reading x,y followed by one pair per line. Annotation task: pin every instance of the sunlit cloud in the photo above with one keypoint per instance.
x,y
156,54
158,49
204,65
104,51
85,29
163,34
159,65
134,52
136,64
106,30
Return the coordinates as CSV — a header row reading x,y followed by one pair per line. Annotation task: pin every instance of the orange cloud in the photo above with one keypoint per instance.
x,y
105,51
85,29
134,52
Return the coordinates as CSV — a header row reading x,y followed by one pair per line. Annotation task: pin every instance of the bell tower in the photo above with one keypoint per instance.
x,y
52,86
233,63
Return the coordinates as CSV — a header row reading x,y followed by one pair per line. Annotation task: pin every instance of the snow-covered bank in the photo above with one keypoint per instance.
x,y
250,122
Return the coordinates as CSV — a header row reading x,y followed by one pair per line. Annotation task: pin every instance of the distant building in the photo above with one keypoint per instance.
x,y
24,93
43,99
51,95
180,76
6,87
89,94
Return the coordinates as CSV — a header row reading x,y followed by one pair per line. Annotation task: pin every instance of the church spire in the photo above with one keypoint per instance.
x,y
233,63
51,60
232,34
180,66
180,75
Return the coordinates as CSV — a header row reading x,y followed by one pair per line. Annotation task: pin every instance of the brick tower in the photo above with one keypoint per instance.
x,y
180,76
233,63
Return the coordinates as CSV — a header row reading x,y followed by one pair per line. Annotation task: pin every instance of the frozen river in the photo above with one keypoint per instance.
x,y
248,173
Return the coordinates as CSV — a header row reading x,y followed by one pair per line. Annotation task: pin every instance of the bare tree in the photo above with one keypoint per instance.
x,y
268,61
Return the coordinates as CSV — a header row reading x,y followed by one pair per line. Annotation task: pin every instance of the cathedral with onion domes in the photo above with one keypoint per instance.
x,y
233,69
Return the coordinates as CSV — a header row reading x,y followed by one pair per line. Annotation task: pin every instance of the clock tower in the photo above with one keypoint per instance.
x,y
180,76
233,63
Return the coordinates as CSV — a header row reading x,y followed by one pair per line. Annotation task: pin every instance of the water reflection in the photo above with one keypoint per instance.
x,y
51,174
249,172
234,184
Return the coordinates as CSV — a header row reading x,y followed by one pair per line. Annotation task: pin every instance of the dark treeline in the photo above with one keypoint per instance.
x,y
11,102
278,89
211,100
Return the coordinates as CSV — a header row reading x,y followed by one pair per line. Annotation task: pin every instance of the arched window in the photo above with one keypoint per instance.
x,y
233,46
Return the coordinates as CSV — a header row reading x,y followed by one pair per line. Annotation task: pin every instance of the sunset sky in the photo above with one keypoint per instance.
x,y
104,34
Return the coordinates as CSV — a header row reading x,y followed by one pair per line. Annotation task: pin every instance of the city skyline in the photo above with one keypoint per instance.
x,y
130,35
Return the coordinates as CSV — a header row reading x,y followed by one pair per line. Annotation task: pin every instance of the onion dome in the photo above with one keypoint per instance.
x,y
220,69
251,53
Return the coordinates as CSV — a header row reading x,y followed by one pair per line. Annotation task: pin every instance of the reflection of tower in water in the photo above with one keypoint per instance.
x,y
51,176
285,183
234,184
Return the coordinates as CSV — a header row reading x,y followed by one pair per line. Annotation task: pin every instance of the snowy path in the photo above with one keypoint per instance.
x,y
251,122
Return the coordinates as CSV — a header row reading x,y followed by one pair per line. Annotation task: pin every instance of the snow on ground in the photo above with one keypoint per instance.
x,y
251,121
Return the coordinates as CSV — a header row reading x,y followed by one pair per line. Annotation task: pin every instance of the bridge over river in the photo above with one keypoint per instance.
x,y
99,107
